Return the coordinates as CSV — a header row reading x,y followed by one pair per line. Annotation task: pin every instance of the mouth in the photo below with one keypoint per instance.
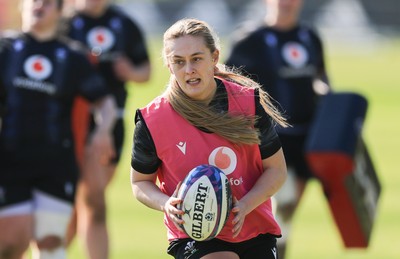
x,y
193,81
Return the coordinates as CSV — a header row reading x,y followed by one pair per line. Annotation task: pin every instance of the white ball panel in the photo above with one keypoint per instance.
x,y
201,209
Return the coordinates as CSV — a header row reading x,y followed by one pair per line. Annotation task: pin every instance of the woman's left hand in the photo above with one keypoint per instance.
x,y
122,68
101,147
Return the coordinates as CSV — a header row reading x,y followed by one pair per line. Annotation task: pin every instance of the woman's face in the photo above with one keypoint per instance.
x,y
91,6
40,14
192,64
285,7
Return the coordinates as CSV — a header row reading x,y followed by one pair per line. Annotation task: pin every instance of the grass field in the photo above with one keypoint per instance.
x,y
138,232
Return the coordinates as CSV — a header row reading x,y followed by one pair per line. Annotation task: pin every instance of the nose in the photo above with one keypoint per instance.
x,y
38,4
189,68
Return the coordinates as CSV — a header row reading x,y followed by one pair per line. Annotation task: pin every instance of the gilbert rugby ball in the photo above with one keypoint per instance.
x,y
206,200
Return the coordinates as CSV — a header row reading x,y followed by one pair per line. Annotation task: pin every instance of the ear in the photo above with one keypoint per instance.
x,y
215,57
170,69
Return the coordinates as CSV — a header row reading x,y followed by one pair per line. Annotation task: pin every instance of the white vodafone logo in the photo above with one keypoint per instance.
x,y
224,158
38,67
100,38
294,54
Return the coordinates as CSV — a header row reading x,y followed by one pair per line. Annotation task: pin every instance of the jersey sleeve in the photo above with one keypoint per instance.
x,y
144,155
321,68
244,53
136,44
270,142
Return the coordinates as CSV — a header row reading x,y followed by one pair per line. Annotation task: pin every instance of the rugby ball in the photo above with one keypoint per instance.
x,y
206,200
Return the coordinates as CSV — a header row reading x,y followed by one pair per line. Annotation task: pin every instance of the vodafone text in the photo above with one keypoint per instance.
x,y
236,181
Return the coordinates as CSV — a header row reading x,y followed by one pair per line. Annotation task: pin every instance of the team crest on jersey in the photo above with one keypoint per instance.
x,y
38,67
224,158
294,54
100,38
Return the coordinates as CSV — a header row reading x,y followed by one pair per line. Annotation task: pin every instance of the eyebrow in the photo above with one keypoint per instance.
x,y
194,54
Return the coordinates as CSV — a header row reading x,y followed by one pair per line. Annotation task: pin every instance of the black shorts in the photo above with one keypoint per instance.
x,y
53,171
294,150
261,247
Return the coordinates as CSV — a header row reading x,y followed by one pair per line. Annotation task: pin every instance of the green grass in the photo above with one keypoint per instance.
x,y
138,232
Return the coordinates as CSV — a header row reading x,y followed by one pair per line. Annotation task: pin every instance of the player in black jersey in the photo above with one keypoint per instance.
x,y
118,45
40,76
286,57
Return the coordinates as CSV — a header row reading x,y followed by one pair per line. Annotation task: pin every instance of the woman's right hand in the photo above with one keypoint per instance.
x,y
171,210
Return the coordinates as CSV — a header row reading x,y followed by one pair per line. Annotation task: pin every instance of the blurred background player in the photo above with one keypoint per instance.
x,y
118,46
286,57
40,75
